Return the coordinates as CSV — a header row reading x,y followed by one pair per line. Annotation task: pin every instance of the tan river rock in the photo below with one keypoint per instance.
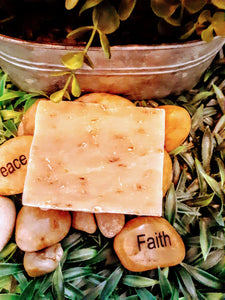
x,y
146,243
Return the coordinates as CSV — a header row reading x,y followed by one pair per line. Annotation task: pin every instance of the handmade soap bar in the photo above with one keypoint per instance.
x,y
146,243
88,157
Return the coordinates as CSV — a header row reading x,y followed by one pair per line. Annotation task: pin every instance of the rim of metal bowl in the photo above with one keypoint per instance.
x,y
186,44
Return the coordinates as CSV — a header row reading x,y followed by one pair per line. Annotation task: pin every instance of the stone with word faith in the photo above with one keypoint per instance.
x,y
146,243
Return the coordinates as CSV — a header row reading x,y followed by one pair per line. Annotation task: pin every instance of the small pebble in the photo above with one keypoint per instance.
x,y
42,262
110,224
7,220
37,229
84,221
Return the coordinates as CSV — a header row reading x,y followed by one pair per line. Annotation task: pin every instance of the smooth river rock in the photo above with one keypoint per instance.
x,y
146,243
37,229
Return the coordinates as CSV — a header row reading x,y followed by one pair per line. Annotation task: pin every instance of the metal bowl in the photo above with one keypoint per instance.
x,y
138,72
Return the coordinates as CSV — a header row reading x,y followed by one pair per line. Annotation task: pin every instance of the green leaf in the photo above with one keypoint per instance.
x,y
125,8
30,290
7,114
187,282
10,127
170,205
174,21
8,250
88,61
205,17
219,268
9,297
60,73
219,3
197,120
29,102
106,18
201,201
73,61
212,260
144,294
95,292
83,254
214,296
205,238
207,149
216,215
222,170
175,293
203,277
58,284
220,97
215,186
75,87
76,272
71,241
2,84
11,95
165,287
5,283
102,255
111,283
188,158
219,125
21,279
105,44
45,284
89,4
72,292
57,96
164,9
200,171
189,30
79,32
69,4
199,97
193,6
207,34
183,290
181,185
218,23
138,281
10,268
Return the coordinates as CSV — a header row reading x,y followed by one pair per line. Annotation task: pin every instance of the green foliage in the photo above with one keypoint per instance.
x,y
11,102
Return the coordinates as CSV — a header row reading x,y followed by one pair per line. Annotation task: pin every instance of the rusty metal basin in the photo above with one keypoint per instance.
x,y
138,72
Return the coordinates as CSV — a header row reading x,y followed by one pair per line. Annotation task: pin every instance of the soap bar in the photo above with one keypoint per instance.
x,y
146,243
93,158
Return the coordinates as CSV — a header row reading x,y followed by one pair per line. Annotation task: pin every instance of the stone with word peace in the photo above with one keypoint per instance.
x,y
14,155
146,243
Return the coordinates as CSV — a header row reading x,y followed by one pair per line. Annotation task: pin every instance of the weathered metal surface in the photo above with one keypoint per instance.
x,y
139,72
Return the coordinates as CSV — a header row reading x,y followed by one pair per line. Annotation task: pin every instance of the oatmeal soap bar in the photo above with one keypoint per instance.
x,y
92,158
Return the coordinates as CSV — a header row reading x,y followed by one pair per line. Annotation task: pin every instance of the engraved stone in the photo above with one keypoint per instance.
x,y
146,243
14,155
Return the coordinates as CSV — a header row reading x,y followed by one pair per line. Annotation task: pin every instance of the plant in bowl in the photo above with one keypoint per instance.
x,y
143,39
